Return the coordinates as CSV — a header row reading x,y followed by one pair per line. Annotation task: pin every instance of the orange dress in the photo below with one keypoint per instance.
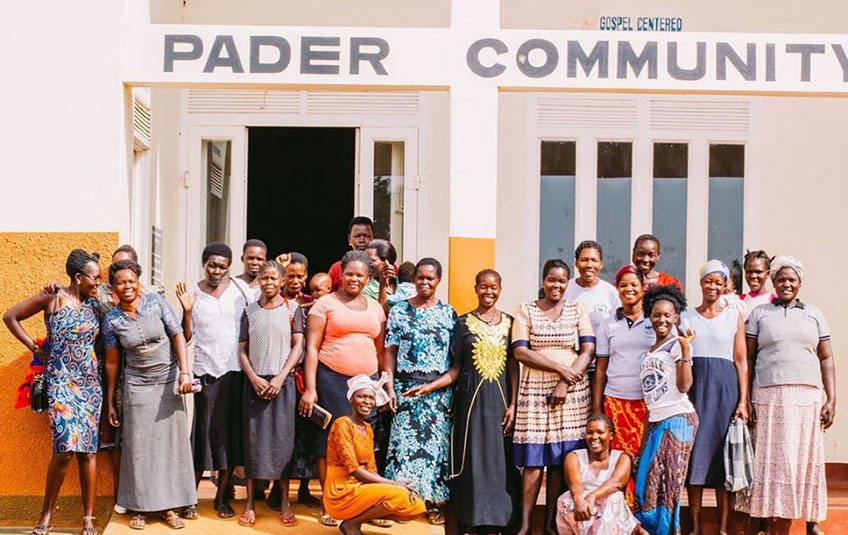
x,y
346,497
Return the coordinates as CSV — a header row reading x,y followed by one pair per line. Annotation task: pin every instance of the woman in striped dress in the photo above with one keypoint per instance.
x,y
554,340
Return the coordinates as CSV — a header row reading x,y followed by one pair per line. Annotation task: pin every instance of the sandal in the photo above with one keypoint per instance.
x,y
435,518
328,520
381,522
138,521
173,519
42,530
247,518
189,513
224,510
89,530
289,520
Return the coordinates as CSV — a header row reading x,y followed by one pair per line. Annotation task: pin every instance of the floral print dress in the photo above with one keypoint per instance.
x,y
420,437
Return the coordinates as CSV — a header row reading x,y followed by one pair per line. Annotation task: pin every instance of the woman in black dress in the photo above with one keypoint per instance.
x,y
483,480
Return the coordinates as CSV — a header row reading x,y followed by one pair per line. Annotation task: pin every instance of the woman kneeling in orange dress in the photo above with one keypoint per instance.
x,y
354,492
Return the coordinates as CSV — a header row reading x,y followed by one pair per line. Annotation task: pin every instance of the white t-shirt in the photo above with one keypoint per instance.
x,y
600,300
215,330
252,292
754,300
658,374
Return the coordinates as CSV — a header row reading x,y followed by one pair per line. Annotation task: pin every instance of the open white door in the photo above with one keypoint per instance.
x,y
388,185
216,191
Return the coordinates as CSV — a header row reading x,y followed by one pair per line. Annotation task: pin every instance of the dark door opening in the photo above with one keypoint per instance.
x,y
300,190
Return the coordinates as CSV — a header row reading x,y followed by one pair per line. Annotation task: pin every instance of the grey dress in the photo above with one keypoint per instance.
x,y
156,463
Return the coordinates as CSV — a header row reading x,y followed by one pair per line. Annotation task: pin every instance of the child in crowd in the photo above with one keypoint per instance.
x,y
731,298
405,275
269,352
304,436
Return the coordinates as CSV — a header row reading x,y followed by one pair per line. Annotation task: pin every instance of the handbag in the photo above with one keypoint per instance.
x,y
38,393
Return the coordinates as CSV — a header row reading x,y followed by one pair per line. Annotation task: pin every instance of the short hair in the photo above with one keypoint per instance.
x,y
430,261
601,417
217,248
385,250
121,265
357,256
589,244
273,264
127,248
297,258
555,263
759,253
77,260
646,237
253,242
478,278
360,220
736,275
666,292
406,272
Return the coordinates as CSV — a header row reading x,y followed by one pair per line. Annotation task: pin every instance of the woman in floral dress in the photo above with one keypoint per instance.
x,y
418,334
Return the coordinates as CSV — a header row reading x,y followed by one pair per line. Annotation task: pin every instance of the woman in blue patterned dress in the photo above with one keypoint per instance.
x,y
418,334
74,394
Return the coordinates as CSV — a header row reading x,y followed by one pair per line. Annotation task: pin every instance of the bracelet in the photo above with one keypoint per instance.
x,y
689,360
742,405
186,373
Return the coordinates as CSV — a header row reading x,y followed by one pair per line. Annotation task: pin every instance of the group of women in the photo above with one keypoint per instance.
x,y
618,393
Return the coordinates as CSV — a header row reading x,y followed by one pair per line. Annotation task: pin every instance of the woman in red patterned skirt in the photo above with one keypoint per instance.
x,y
623,339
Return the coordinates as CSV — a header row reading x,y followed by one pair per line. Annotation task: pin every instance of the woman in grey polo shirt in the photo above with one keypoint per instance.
x,y
623,340
793,402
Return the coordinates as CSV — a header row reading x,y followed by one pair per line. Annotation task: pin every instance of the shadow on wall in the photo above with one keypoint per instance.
x,y
30,260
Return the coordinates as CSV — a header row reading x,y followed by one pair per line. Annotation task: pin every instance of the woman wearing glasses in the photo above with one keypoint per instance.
x,y
74,395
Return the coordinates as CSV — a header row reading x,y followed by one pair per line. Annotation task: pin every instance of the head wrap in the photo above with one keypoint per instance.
x,y
358,382
629,269
714,266
784,261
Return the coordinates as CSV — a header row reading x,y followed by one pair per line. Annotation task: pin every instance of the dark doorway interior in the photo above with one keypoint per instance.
x,y
300,190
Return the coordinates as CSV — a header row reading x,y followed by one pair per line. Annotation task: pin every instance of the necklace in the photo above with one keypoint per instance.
x,y
489,321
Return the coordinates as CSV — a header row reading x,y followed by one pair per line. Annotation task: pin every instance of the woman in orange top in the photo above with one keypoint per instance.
x,y
353,491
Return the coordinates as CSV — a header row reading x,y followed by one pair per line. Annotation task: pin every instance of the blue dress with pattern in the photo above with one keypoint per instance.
x,y
74,393
419,443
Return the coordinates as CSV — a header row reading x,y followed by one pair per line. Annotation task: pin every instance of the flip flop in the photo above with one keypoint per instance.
x,y
247,519
328,520
382,522
434,517
224,509
42,530
189,513
288,521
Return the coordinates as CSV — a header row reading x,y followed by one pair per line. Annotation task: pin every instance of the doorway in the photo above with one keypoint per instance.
x,y
301,190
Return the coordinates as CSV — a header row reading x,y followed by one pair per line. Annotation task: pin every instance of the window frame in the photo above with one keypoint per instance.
x,y
643,136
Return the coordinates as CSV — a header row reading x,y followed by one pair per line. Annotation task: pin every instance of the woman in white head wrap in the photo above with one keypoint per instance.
x,y
353,491
793,400
719,389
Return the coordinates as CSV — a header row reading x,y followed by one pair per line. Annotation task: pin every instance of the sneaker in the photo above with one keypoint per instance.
x,y
120,509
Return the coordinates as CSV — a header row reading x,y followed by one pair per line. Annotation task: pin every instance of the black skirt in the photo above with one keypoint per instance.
x,y
332,396
268,431
216,436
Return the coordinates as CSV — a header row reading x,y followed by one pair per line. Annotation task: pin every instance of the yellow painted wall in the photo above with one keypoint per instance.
x,y
28,261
